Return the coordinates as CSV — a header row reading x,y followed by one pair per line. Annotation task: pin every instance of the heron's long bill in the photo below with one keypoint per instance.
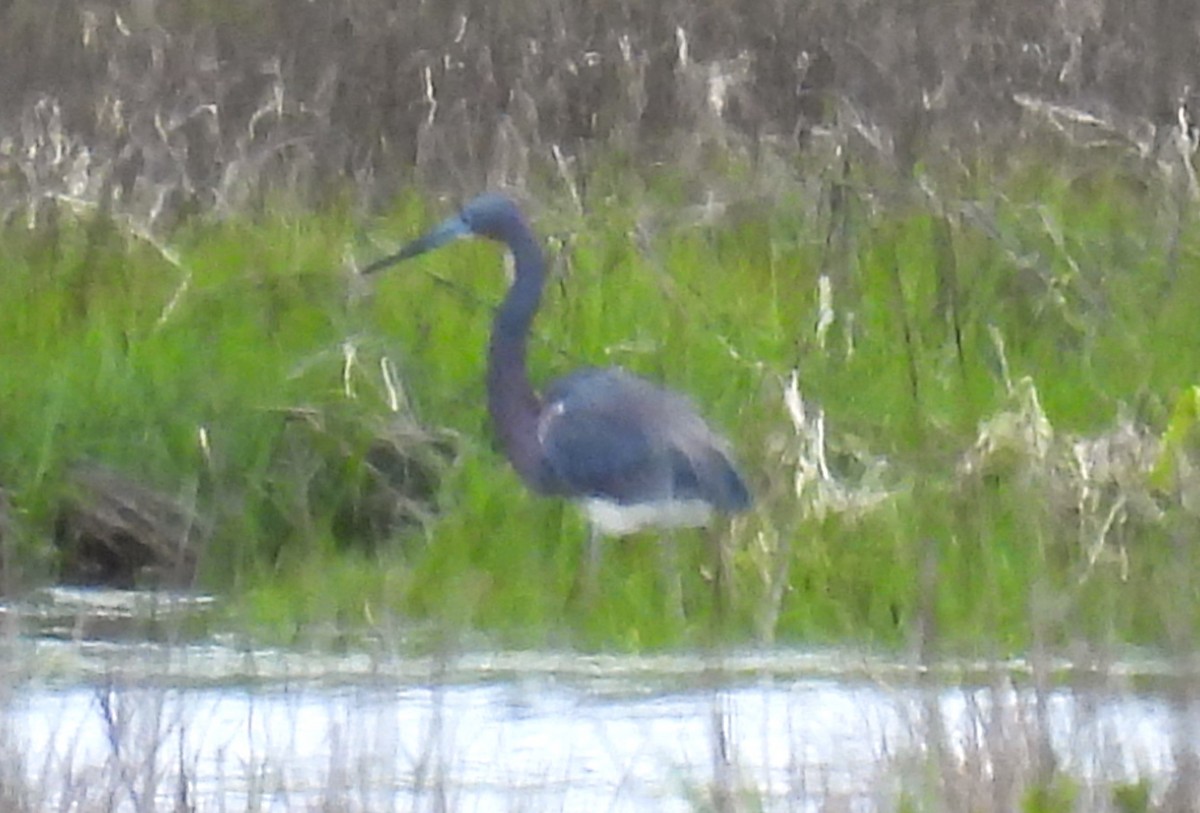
x,y
448,230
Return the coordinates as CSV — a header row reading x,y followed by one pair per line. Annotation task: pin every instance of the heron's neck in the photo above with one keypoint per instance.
x,y
513,404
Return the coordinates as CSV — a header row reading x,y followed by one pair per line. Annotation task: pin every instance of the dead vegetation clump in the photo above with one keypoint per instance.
x,y
341,471
1098,492
814,491
366,481
114,530
338,474
1097,485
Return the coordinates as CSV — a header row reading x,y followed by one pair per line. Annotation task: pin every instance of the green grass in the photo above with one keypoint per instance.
x,y
110,352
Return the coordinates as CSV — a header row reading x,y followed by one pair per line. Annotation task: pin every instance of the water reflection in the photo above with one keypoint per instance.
x,y
551,744
134,726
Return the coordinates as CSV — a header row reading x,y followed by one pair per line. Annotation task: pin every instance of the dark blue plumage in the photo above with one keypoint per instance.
x,y
609,435
633,454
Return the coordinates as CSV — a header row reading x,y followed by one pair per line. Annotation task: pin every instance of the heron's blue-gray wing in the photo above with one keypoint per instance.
x,y
607,433
595,448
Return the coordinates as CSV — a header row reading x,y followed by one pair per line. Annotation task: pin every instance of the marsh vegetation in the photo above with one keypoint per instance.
x,y
932,271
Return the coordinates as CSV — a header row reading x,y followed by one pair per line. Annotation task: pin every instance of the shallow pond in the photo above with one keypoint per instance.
x,y
95,724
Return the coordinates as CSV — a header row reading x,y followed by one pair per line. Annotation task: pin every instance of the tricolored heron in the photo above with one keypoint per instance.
x,y
632,454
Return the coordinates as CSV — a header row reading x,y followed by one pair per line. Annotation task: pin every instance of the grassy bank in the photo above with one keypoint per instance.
x,y
984,385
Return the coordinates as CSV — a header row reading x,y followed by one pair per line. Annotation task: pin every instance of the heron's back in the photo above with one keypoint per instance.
x,y
622,444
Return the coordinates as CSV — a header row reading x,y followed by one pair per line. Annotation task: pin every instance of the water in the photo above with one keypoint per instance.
x,y
103,724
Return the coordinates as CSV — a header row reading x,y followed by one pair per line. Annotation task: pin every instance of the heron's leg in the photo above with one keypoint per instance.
x,y
720,544
591,567
672,578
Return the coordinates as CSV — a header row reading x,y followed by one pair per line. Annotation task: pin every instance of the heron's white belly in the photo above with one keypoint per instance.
x,y
615,519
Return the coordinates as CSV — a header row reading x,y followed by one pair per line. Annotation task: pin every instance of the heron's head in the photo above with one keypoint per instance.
x,y
493,216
